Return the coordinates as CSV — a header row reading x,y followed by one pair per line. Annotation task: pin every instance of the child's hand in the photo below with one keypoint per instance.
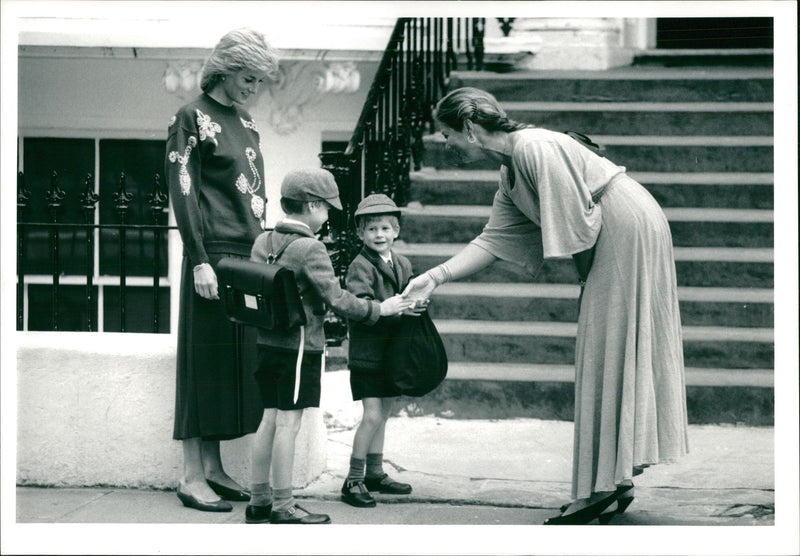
x,y
420,288
419,307
394,305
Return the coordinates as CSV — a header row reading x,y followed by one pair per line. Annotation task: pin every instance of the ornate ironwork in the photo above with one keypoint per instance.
x,y
122,199
54,197
158,202
23,196
388,138
505,24
88,201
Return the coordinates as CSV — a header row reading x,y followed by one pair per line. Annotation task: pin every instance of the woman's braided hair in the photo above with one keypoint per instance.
x,y
476,105
239,49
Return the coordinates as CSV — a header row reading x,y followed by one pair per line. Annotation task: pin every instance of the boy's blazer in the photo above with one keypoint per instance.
x,y
369,277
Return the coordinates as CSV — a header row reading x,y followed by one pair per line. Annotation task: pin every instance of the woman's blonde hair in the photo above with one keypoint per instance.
x,y
239,49
476,105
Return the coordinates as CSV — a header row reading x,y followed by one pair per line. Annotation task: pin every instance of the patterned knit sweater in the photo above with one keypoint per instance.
x,y
215,173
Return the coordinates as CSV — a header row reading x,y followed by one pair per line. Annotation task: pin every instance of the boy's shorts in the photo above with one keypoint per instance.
x,y
275,377
371,383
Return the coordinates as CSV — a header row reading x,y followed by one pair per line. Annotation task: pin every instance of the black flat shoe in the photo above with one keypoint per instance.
x,y
385,485
361,498
584,515
624,499
290,516
257,514
227,493
191,502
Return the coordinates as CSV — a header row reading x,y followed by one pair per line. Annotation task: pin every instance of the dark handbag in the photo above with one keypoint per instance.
x,y
415,358
259,294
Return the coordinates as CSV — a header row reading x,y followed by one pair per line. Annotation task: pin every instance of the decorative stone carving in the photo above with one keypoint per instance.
x,y
182,78
300,84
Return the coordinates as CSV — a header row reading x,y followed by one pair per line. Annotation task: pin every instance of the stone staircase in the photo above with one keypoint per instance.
x,y
701,140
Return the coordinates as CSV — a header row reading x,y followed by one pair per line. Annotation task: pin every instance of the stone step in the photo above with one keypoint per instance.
x,y
690,189
627,84
707,58
500,390
642,118
531,372
695,266
640,153
554,343
530,302
690,227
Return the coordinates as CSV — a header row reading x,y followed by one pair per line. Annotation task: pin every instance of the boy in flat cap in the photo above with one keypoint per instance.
x,y
290,363
377,273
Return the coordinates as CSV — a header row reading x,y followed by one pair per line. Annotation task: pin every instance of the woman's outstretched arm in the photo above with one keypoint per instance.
x,y
468,261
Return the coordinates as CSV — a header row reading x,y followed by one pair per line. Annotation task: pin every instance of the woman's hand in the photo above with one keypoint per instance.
x,y
205,281
395,305
420,288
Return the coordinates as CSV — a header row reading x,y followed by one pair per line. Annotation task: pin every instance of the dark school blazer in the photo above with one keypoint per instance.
x,y
369,277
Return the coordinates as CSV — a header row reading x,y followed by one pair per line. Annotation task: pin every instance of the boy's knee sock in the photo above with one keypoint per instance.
x,y
260,494
356,472
375,465
282,499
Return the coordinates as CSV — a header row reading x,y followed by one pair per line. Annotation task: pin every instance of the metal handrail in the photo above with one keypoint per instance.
x,y
387,140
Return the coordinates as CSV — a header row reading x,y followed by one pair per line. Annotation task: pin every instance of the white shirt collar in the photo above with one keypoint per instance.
x,y
293,221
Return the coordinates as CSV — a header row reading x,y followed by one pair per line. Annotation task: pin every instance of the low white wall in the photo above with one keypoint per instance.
x,y
97,409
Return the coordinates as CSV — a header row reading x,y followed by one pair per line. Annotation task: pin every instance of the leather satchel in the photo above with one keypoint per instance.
x,y
259,294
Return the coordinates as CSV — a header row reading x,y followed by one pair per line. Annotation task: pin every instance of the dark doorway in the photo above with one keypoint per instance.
x,y
714,32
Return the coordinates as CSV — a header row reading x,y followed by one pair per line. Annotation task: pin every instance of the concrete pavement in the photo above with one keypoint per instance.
x,y
469,472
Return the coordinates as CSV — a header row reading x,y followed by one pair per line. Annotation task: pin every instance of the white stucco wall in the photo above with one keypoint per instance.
x,y
97,409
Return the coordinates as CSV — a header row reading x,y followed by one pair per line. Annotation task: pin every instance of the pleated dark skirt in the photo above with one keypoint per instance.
x,y
216,395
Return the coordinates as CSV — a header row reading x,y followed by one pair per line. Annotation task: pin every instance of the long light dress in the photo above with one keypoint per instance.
x,y
559,198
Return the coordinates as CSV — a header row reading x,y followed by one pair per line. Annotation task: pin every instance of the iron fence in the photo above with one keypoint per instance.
x,y
64,257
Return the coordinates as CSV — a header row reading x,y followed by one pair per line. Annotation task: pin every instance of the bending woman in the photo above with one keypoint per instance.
x,y
215,171
557,199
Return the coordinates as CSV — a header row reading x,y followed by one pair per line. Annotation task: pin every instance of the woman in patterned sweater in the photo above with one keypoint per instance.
x,y
215,171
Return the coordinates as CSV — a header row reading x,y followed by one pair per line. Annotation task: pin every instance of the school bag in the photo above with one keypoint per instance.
x,y
260,294
415,358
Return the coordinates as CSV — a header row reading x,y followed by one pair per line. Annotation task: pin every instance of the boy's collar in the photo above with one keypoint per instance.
x,y
375,255
292,225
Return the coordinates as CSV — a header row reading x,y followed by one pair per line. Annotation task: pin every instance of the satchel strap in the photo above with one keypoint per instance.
x,y
271,255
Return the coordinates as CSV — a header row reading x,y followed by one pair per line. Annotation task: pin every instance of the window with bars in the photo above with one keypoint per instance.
x,y
92,235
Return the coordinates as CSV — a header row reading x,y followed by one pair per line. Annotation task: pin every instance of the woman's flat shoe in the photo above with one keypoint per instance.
x,y
624,499
584,515
191,502
227,493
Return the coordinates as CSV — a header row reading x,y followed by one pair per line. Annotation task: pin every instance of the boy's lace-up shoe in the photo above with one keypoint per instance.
x,y
356,494
386,485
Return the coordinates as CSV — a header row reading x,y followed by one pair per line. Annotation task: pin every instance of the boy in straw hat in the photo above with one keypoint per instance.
x,y
377,273
290,363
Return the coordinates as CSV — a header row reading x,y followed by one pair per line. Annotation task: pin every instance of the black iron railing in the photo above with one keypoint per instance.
x,y
61,235
387,141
